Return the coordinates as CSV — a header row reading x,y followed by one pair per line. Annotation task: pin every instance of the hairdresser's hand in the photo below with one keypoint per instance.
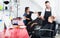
x,y
35,12
54,18
42,17
27,18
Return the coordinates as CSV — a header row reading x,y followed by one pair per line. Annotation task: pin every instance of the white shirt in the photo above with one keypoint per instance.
x,y
52,11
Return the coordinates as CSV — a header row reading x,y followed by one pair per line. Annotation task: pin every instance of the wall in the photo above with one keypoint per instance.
x,y
35,5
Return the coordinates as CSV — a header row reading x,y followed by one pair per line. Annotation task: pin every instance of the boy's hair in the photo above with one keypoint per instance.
x,y
39,13
52,17
46,2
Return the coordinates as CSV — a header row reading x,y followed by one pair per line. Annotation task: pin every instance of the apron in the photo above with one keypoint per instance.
x,y
46,16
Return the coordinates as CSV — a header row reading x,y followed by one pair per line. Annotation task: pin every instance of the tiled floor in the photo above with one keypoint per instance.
x,y
58,36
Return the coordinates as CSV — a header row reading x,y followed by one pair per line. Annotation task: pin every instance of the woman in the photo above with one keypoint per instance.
x,y
27,15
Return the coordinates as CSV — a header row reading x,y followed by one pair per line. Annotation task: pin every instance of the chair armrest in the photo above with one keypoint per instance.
x,y
46,30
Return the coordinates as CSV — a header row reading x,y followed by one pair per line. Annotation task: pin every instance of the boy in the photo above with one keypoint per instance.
x,y
35,25
50,26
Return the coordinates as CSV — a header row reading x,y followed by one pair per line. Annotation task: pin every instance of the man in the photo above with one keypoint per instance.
x,y
49,11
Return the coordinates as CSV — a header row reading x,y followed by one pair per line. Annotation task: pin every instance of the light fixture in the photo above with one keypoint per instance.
x,y
6,2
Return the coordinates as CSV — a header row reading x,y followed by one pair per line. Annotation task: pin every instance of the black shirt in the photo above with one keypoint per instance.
x,y
39,21
28,16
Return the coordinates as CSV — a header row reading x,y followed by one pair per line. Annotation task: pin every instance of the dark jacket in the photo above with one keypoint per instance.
x,y
50,26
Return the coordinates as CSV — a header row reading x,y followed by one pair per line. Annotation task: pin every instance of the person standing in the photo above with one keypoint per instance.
x,y
47,11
